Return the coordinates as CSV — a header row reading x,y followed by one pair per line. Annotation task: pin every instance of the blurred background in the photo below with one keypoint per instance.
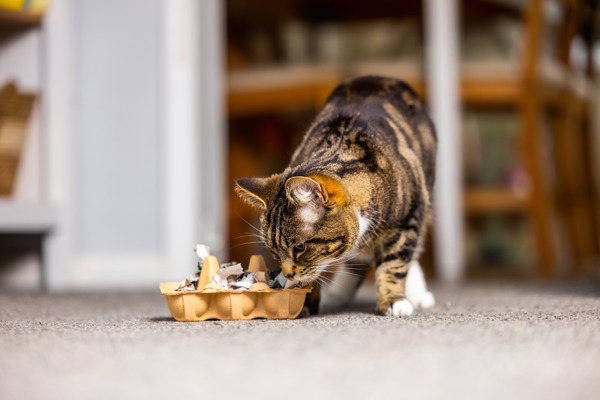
x,y
123,125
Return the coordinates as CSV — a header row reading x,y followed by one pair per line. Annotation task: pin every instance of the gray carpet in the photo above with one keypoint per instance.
x,y
481,341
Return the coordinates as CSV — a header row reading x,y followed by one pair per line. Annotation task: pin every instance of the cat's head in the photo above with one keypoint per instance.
x,y
306,222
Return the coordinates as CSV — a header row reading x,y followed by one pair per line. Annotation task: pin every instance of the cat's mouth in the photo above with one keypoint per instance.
x,y
300,275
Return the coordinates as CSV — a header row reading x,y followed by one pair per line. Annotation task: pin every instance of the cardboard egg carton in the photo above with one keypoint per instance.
x,y
210,301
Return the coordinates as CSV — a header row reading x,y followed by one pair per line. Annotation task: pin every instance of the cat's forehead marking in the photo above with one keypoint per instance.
x,y
308,216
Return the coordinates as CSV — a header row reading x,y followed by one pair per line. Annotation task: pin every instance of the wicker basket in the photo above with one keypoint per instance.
x,y
15,109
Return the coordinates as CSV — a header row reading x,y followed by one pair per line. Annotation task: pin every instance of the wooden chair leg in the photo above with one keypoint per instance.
x,y
540,202
593,182
584,206
575,184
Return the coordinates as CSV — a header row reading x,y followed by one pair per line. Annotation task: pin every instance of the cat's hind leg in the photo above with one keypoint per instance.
x,y
416,288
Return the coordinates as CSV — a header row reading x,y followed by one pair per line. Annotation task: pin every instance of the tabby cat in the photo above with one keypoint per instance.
x,y
359,187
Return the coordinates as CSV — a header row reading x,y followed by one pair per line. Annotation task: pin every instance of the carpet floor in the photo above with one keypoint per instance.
x,y
481,341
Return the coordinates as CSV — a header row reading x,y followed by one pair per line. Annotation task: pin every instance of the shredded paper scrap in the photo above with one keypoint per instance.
x,y
231,276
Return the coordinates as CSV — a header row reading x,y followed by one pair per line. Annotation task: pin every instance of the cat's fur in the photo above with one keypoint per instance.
x,y
360,182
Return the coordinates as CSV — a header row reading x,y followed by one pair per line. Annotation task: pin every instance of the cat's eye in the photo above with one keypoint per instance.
x,y
299,247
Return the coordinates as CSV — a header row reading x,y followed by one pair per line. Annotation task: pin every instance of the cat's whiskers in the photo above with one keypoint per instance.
x,y
248,243
341,268
250,237
324,281
348,273
348,264
333,266
338,260
343,256
251,226
248,234
260,236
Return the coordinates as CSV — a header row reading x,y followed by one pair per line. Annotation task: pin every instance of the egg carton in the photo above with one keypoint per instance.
x,y
210,301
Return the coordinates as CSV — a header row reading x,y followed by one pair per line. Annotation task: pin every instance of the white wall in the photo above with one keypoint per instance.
x,y
140,126
117,125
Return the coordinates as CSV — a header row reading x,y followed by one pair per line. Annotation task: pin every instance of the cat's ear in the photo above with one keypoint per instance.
x,y
334,190
257,191
302,190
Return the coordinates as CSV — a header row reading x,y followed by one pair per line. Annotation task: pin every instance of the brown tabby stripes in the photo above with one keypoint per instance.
x,y
363,182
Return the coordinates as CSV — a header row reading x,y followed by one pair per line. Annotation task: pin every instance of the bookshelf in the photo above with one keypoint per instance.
x,y
27,218
24,211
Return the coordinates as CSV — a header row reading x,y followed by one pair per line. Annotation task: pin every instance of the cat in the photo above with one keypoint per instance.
x,y
358,187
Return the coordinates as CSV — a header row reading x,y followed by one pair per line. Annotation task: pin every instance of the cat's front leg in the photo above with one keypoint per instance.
x,y
313,299
311,304
391,290
392,268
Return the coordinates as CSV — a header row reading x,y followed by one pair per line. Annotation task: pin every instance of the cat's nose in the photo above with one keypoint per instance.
x,y
287,270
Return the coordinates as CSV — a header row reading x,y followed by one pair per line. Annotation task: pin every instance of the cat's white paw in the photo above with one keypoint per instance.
x,y
401,308
422,300
416,289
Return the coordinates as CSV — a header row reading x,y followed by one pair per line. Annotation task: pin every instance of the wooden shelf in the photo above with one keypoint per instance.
x,y
26,218
484,200
272,89
15,20
277,88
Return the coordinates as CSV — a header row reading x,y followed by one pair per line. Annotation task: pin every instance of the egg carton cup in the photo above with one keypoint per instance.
x,y
210,301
